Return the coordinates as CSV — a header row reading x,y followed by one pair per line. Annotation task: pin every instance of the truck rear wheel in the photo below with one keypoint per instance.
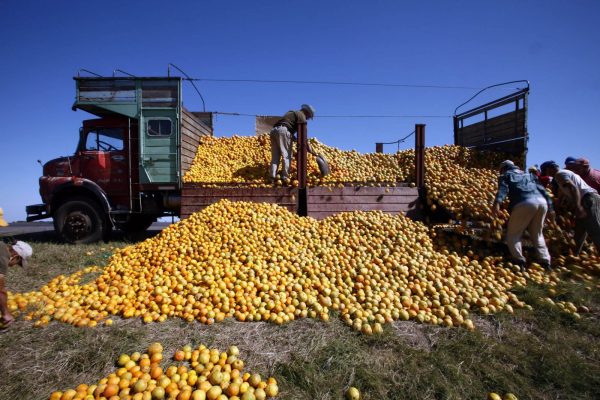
x,y
80,221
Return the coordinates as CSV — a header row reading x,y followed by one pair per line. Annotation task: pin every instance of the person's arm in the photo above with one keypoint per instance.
x,y
500,195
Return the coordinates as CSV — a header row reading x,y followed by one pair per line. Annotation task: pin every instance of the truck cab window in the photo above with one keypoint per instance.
x,y
104,139
159,127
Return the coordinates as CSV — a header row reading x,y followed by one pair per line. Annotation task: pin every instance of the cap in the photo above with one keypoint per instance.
x,y
23,250
506,164
309,110
548,164
569,160
582,161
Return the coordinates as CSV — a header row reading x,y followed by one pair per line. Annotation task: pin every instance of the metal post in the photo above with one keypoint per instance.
x,y
378,147
302,169
420,155
456,130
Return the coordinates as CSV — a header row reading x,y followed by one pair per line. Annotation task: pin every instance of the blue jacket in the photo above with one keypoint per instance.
x,y
520,186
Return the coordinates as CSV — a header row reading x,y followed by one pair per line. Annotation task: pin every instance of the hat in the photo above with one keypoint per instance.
x,y
309,110
569,160
548,164
582,161
507,164
23,250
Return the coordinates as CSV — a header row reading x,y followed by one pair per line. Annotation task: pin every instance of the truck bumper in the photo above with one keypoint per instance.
x,y
36,212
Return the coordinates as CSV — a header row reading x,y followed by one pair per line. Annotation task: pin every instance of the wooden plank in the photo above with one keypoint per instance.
x,y
504,119
508,127
205,117
186,211
195,123
197,189
339,207
189,147
254,199
493,138
190,142
362,190
189,136
373,200
186,162
324,214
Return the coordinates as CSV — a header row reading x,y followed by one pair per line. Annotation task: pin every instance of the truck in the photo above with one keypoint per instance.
x,y
128,167
499,125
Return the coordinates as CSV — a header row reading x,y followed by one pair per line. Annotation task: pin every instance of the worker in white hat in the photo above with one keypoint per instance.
x,y
10,255
282,137
529,204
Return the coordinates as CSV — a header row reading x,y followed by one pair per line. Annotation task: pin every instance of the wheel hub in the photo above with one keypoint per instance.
x,y
78,225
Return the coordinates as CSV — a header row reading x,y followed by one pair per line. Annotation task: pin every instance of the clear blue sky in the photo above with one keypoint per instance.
x,y
553,44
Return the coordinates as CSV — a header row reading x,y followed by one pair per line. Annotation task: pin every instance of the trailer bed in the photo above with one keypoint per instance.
x,y
321,201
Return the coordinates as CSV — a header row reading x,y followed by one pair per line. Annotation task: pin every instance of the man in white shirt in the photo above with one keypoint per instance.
x,y
583,198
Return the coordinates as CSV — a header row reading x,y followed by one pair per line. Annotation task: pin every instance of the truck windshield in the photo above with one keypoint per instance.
x,y
104,139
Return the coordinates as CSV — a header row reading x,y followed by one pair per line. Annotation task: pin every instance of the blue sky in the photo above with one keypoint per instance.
x,y
553,44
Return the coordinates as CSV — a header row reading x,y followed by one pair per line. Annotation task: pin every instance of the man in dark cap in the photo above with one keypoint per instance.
x,y
282,136
583,199
529,204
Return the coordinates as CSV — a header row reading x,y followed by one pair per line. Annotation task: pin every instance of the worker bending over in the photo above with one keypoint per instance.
x,y
283,135
529,204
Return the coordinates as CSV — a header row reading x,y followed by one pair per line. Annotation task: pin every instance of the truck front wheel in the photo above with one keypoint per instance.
x,y
80,221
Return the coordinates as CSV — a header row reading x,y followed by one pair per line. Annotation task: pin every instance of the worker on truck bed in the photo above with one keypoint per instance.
x,y
529,204
582,198
10,255
282,137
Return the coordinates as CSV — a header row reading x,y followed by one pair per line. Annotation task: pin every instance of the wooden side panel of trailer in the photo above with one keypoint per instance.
x,y
195,198
193,127
323,202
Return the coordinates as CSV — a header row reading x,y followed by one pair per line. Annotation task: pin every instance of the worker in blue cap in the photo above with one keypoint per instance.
x,y
569,160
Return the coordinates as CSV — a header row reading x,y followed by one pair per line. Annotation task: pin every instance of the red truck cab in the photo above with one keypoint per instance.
x,y
128,167
82,192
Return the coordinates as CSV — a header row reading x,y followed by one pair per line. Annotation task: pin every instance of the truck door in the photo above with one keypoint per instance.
x,y
158,158
103,160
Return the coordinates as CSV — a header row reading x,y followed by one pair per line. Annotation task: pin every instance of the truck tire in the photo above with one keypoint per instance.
x,y
80,220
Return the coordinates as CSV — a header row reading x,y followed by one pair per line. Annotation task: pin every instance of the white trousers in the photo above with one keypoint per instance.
x,y
281,147
528,215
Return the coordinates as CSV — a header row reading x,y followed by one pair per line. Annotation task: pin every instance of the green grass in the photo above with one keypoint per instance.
x,y
538,354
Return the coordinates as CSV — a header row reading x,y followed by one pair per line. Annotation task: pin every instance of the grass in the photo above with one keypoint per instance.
x,y
538,354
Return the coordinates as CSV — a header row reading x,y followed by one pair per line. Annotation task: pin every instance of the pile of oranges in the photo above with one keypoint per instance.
x,y
260,262
195,374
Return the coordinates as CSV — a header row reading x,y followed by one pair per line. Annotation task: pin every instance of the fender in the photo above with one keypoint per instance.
x,y
71,185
